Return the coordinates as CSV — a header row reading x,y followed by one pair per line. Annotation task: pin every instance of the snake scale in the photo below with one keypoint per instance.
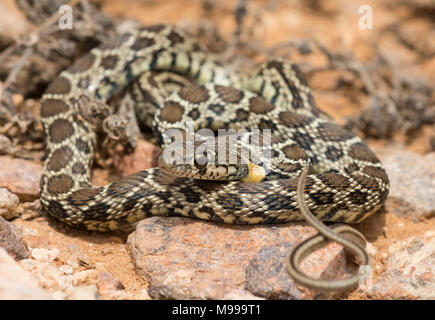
x,y
347,182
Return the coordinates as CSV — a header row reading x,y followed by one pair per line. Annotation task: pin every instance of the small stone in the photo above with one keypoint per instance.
x,y
82,293
10,240
21,177
86,277
17,283
17,99
371,249
45,255
48,275
110,288
30,210
412,183
106,251
66,270
8,204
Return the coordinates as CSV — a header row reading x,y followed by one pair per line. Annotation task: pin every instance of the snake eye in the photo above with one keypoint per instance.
x,y
201,160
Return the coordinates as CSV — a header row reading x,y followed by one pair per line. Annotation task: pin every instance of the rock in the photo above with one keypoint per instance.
x,y
14,21
62,282
412,183
15,282
10,240
191,259
143,295
8,204
45,255
85,277
410,272
21,177
48,275
30,210
82,293
111,288
144,157
70,281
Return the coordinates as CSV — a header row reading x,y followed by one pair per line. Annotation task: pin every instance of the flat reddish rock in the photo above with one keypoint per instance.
x,y
185,258
21,177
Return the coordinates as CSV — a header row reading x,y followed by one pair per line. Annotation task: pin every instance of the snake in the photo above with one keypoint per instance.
x,y
346,181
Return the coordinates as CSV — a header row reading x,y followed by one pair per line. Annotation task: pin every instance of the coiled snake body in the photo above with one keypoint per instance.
x,y
347,182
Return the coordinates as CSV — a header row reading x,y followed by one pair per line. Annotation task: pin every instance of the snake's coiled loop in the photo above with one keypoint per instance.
x,y
350,238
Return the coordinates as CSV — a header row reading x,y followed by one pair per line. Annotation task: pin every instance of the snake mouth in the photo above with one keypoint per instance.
x,y
256,173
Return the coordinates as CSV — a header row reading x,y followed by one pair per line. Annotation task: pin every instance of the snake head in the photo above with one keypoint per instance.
x,y
204,163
